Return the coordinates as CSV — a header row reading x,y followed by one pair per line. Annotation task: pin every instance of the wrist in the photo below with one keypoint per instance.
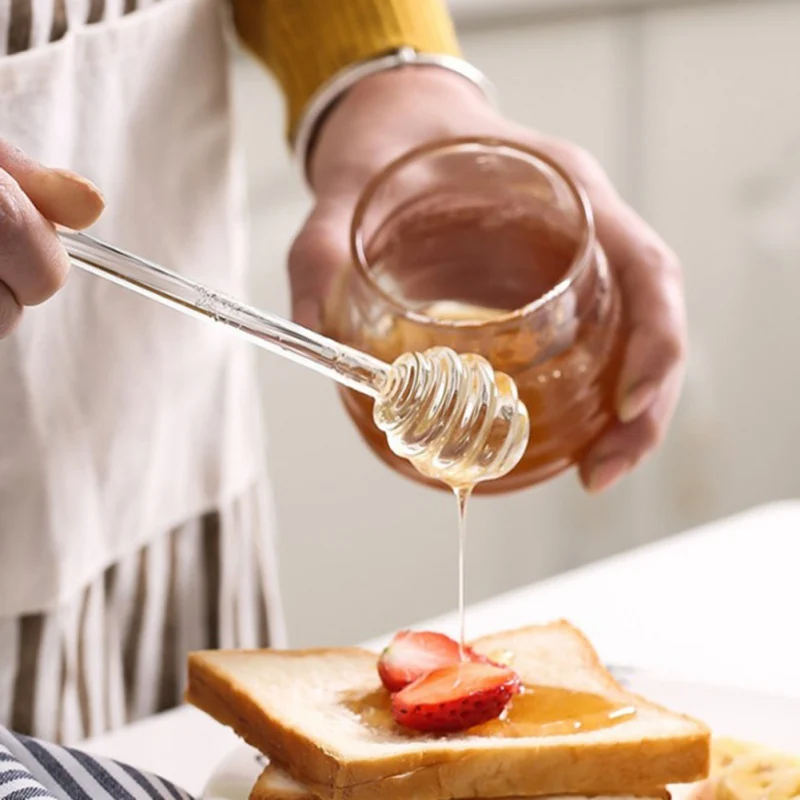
x,y
404,75
421,84
306,42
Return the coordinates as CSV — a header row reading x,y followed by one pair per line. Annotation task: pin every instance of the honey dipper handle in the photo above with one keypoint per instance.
x,y
346,365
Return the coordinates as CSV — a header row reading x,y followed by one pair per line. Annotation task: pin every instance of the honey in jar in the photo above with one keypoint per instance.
x,y
485,247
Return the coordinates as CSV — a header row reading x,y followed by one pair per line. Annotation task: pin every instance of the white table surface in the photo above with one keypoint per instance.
x,y
719,604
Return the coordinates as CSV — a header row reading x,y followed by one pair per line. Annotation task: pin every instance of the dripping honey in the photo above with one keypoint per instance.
x,y
536,711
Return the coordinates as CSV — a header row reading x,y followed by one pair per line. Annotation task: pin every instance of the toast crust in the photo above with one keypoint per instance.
x,y
507,776
434,772
271,786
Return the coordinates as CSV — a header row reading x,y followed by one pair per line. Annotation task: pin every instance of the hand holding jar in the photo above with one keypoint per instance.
x,y
439,222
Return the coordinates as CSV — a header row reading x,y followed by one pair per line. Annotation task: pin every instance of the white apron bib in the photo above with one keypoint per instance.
x,y
121,419
132,516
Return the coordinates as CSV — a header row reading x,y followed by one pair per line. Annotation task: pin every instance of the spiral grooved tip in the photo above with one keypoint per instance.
x,y
453,417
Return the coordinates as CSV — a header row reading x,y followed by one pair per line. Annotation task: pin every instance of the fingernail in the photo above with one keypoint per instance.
x,y
606,473
73,201
637,401
63,197
60,195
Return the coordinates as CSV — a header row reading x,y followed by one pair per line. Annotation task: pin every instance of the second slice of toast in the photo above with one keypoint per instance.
x,y
275,784
317,713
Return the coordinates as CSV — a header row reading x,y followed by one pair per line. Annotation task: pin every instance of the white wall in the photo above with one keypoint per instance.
x,y
695,111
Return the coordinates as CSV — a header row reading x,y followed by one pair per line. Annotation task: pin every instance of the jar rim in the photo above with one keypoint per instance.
x,y
578,266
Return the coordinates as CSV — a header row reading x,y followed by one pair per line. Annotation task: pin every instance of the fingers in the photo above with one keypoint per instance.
x,y
10,311
318,256
624,445
650,281
33,265
652,371
60,196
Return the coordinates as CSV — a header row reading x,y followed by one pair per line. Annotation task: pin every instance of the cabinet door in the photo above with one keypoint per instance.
x,y
568,79
721,180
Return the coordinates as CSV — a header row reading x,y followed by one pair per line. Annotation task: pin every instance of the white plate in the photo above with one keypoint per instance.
x,y
769,719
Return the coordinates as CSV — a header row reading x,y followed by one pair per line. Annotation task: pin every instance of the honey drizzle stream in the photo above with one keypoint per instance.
x,y
462,494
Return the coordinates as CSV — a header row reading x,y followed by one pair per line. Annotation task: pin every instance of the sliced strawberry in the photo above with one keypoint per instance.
x,y
411,655
456,697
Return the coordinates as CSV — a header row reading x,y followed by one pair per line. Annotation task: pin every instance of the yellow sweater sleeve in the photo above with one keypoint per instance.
x,y
305,42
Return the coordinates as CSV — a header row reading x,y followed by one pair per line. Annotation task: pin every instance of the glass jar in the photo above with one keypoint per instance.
x,y
485,246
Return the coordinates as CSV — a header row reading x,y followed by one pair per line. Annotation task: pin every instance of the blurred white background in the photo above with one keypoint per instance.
x,y
694,108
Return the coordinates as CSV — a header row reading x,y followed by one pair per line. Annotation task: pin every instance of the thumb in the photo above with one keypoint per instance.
x,y
318,256
60,196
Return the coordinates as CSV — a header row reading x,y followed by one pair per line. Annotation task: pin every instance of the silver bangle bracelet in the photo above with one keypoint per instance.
x,y
345,79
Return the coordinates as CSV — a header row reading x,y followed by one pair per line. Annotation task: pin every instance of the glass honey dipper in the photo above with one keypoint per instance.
x,y
452,416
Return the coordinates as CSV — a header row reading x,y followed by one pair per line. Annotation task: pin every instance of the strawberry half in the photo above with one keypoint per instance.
x,y
456,697
411,655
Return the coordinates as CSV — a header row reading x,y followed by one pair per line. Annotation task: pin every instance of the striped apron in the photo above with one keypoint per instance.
x,y
135,519
31,769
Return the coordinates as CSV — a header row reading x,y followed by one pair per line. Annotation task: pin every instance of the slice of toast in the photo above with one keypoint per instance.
x,y
275,784
311,713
